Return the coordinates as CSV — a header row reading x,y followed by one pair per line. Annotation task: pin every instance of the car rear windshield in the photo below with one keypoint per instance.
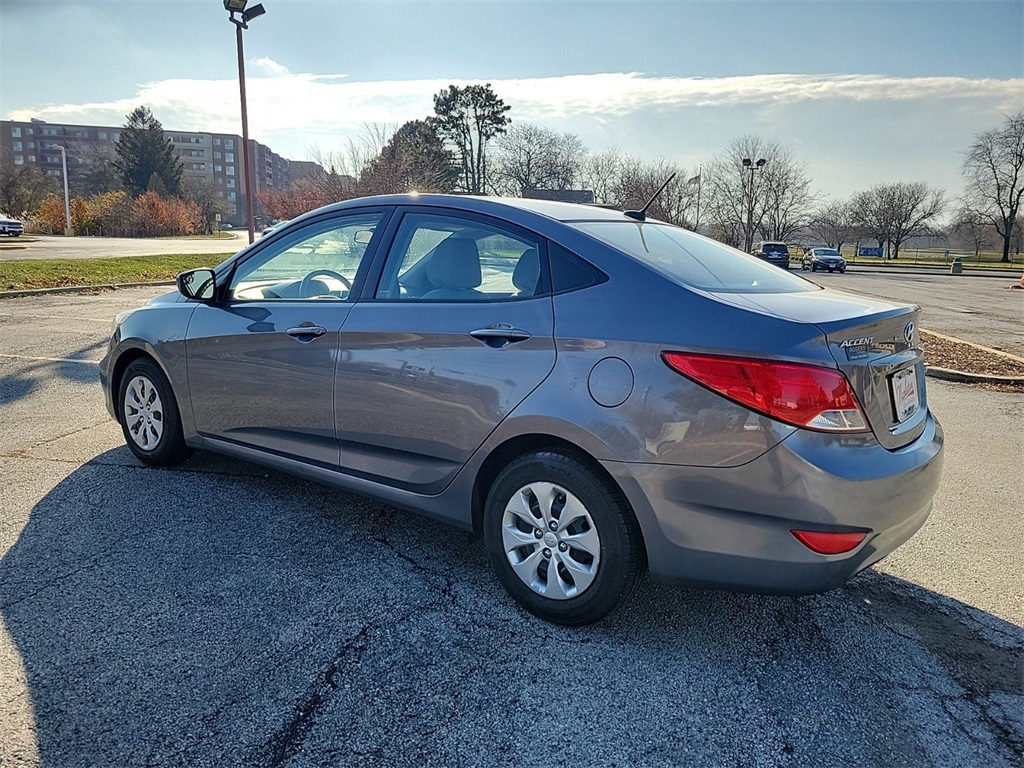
x,y
775,248
694,260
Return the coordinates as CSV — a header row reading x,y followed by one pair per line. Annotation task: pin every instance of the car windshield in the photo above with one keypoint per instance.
x,y
694,260
827,252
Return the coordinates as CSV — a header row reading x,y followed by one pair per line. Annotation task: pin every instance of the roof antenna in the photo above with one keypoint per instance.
x,y
641,214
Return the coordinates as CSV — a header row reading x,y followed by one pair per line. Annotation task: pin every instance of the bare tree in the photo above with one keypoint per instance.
x,y
359,151
204,194
833,224
892,213
971,230
22,188
745,199
787,197
600,174
95,170
337,176
528,156
994,171
639,180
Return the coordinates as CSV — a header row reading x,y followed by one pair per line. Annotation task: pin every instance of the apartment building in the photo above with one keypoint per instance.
x,y
211,158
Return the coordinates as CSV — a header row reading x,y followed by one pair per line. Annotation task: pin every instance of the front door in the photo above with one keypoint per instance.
x,y
261,362
458,333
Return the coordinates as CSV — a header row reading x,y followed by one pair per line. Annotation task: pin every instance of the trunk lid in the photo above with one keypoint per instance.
x,y
874,342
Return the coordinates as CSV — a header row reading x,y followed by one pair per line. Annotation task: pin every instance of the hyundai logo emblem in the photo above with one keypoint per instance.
x,y
908,333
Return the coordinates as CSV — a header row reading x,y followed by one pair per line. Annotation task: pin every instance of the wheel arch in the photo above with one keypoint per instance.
x,y
520,445
126,358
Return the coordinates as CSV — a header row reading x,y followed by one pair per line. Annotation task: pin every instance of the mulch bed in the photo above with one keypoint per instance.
x,y
960,356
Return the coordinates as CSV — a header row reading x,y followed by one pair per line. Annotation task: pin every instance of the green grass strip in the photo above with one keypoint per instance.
x,y
26,274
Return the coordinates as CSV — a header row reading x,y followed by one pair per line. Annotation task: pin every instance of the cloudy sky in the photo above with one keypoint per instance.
x,y
863,92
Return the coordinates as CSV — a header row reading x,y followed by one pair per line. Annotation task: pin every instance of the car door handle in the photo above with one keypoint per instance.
x,y
306,333
500,335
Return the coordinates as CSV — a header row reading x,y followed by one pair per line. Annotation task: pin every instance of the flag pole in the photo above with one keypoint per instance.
x,y
700,181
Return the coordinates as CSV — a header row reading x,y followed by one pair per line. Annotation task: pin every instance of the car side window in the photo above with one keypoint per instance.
x,y
314,263
444,258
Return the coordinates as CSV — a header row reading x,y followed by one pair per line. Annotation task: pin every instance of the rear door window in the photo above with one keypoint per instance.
x,y
436,257
694,260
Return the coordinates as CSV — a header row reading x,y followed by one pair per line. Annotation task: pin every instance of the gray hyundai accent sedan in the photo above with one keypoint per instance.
x,y
595,393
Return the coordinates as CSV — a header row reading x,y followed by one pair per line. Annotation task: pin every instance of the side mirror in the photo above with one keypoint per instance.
x,y
197,284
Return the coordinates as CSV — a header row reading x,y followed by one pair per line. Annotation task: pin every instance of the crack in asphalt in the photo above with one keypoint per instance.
x,y
289,739
979,666
21,453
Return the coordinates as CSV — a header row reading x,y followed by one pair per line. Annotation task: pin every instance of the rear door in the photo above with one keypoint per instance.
x,y
261,361
457,333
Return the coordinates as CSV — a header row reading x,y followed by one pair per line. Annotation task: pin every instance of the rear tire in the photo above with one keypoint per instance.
x,y
149,416
563,540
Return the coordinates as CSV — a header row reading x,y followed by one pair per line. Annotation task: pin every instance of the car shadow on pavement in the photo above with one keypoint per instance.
x,y
78,367
223,614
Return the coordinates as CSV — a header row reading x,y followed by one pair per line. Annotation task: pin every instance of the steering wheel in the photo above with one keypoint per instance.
x,y
307,281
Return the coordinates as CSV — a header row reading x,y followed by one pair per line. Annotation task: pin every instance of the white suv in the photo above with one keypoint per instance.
x,y
11,227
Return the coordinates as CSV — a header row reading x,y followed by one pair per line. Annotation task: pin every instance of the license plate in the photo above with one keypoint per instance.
x,y
905,394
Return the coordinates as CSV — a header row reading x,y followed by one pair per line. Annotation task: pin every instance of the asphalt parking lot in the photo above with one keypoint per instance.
x,y
979,309
58,247
219,614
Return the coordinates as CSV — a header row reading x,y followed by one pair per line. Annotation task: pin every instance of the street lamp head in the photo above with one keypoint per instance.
x,y
761,162
255,12
235,6
746,162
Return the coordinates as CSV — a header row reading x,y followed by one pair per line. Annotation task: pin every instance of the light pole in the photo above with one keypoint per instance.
x,y
242,22
750,199
68,230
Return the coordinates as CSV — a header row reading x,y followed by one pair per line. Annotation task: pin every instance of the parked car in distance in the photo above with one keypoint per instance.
x,y
12,227
773,253
595,394
823,258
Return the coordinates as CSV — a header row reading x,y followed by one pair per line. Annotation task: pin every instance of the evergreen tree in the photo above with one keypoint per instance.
x,y
468,118
143,152
413,159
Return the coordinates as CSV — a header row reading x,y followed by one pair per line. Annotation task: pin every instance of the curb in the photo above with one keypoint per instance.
x,y
910,270
78,289
962,377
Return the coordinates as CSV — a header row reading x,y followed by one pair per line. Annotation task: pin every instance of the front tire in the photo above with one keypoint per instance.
x,y
562,539
149,416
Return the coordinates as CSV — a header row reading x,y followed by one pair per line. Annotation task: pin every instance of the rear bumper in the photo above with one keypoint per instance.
x,y
730,527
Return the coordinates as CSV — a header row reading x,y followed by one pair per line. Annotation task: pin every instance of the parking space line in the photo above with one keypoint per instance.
x,y
56,317
50,359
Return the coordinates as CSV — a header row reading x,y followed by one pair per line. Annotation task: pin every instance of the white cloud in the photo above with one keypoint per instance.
x,y
873,123
305,102
270,66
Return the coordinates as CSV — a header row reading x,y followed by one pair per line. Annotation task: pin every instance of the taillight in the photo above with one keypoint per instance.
x,y
828,543
802,395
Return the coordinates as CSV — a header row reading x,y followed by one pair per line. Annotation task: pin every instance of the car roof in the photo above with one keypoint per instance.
x,y
494,205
